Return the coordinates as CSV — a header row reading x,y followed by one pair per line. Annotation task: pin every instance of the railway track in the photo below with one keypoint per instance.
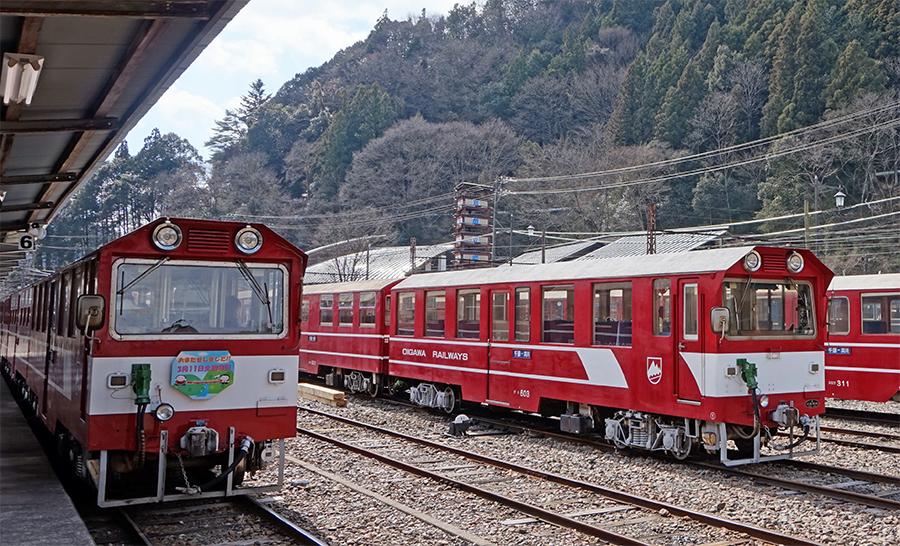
x,y
864,488
870,417
236,520
587,508
879,436
848,485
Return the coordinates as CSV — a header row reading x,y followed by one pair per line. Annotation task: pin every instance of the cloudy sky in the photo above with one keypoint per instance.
x,y
272,40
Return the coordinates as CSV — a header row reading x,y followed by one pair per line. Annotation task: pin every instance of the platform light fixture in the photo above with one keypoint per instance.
x,y
839,199
20,77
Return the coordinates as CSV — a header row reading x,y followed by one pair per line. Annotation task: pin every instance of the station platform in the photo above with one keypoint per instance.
x,y
34,508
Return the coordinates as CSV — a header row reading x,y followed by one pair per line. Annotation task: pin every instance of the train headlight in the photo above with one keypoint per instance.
x,y
248,240
167,236
752,261
764,401
795,262
164,412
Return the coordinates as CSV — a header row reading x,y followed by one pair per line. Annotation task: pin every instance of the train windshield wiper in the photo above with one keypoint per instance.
x,y
257,289
146,272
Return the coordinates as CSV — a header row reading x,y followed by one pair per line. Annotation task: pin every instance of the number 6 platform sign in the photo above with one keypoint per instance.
x,y
26,242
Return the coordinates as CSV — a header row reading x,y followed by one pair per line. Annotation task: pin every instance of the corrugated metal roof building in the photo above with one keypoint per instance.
x,y
666,243
380,263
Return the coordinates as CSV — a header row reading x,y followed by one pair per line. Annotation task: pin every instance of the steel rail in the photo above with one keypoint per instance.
x,y
643,502
290,528
531,510
133,527
859,498
855,432
850,473
879,418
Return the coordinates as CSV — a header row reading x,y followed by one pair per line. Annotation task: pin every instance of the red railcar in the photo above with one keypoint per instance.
x,y
670,352
345,333
862,359
173,347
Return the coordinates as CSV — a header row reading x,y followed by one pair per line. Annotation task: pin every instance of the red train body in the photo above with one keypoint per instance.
x,y
660,352
173,344
862,360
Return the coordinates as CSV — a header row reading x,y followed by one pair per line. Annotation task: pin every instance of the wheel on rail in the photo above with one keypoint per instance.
x,y
451,401
374,386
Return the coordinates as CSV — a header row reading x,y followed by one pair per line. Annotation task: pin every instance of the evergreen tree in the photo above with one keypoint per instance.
x,y
363,118
229,132
854,74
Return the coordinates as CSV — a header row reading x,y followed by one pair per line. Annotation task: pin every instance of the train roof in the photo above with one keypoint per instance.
x,y
885,281
352,286
676,263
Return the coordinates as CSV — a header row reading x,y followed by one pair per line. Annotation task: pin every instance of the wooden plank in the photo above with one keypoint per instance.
x,y
321,394
324,392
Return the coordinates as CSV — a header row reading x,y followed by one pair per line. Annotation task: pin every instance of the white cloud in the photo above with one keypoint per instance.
x,y
272,40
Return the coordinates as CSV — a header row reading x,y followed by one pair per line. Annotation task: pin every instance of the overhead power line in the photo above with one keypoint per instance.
x,y
721,151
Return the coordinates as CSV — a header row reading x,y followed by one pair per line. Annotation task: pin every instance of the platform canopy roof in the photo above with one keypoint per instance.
x,y
104,63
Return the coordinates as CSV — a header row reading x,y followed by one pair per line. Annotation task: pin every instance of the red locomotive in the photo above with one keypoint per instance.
x,y
862,358
171,348
669,352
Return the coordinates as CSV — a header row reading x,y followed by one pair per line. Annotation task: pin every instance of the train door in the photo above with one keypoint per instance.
x,y
52,327
686,319
499,350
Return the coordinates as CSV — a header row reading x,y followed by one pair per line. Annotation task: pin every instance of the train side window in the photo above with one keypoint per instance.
x,y
690,311
662,296
612,313
500,316
435,304
839,315
77,290
345,309
406,314
558,314
63,314
468,314
387,311
304,310
326,309
523,314
367,309
881,314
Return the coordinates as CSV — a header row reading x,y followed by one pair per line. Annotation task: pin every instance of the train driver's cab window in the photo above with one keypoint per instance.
x,y
367,309
163,298
523,314
345,309
881,314
468,314
612,313
769,308
326,309
406,314
558,314
435,303
839,315
304,310
662,303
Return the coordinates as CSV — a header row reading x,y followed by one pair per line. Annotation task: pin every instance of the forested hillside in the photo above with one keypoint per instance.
x,y
731,109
